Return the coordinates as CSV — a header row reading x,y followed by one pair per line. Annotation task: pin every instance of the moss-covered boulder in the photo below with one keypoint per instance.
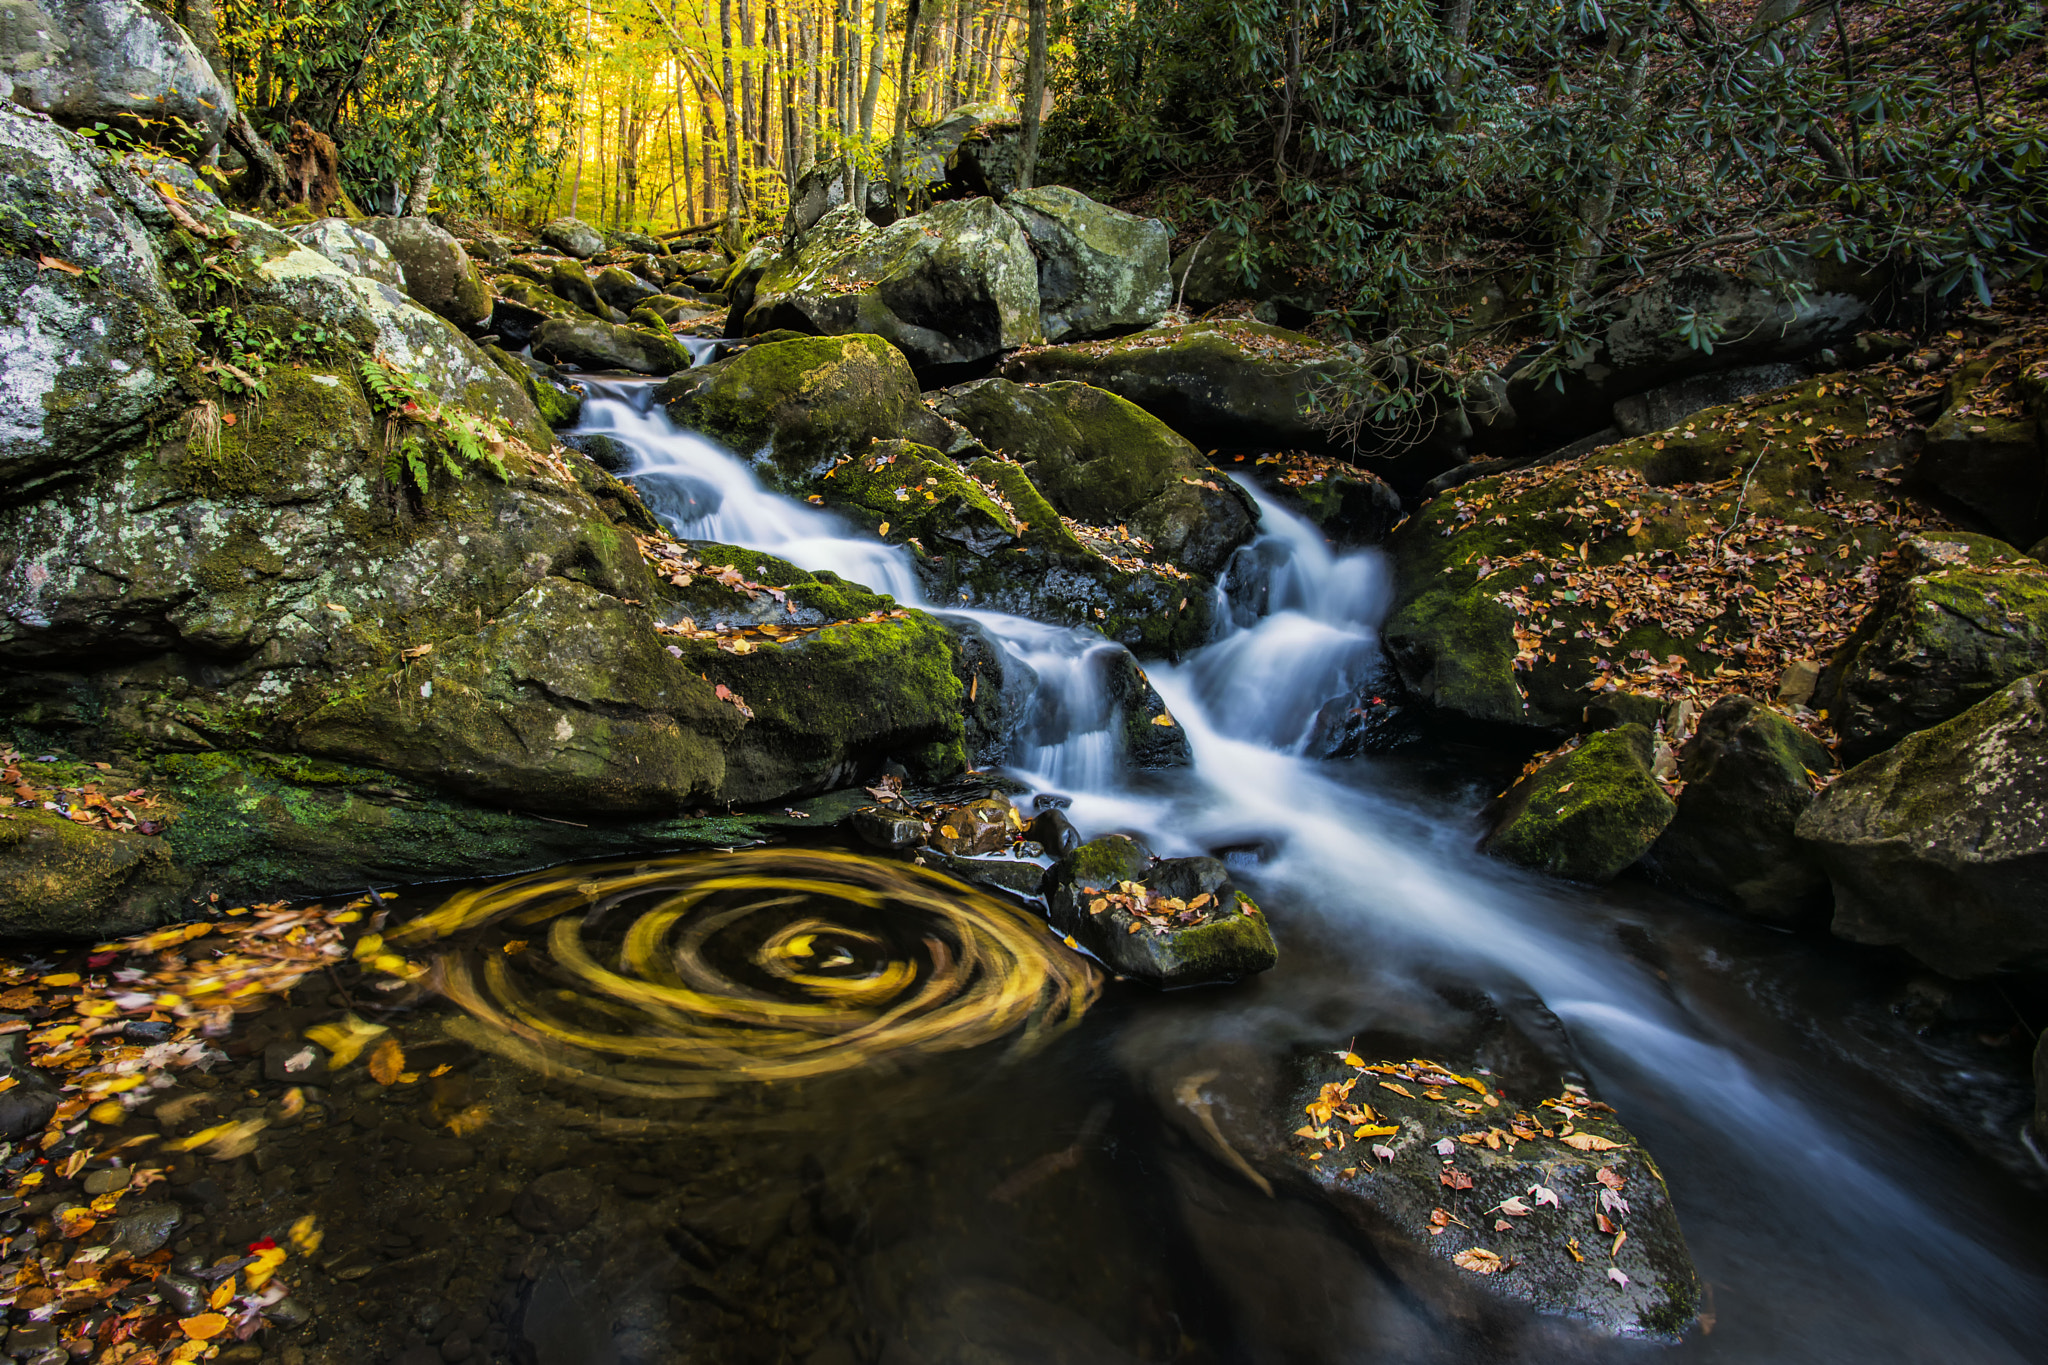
x,y
1958,617
573,237
1988,451
1722,550
622,289
1100,271
798,405
1939,845
951,286
1216,383
60,879
912,492
1181,922
1536,1196
570,281
354,250
438,272
88,357
1749,774
1589,813
589,344
558,404
1104,461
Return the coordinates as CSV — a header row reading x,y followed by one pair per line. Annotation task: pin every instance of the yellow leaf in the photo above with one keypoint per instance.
x,y
1478,1260
1162,719
1376,1130
1353,1059
884,531
1398,1090
267,1262
306,1235
1590,1142
469,1120
949,831
223,1296
61,979
205,1327
369,945
108,1112
345,1040
387,1061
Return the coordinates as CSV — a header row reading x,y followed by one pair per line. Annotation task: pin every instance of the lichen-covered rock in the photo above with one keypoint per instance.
x,y
1105,461
1749,775
354,250
90,61
574,237
1185,924
589,344
952,286
438,272
1959,617
1523,1198
1939,845
58,879
1524,596
1217,384
1588,814
799,404
85,358
558,404
1989,450
1100,270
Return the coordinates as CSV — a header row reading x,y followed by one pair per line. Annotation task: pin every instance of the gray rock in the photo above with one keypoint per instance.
x,y
1673,403
571,282
1150,738
1235,944
1587,814
589,344
1939,845
1100,271
622,289
356,251
951,286
566,1321
1990,458
889,829
1746,785
145,1228
556,1203
438,272
85,61
1222,266
573,237
85,359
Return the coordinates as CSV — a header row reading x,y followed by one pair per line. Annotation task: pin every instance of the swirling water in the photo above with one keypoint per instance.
x,y
1827,1222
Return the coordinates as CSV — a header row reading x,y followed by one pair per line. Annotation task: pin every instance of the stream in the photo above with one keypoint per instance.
x,y
1826,1155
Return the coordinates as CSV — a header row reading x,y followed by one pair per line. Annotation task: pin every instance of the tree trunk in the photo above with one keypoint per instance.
x,y
900,135
877,58
956,68
746,17
1034,95
451,76
1596,210
732,131
262,158
683,134
1456,18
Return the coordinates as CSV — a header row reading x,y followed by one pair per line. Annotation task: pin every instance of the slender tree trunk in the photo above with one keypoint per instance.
x,y
927,53
669,139
1596,210
1034,95
878,57
683,134
732,131
746,16
451,76
807,129
900,135
1456,18
956,61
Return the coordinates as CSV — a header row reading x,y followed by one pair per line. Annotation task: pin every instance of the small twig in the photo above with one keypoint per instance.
x,y
1737,515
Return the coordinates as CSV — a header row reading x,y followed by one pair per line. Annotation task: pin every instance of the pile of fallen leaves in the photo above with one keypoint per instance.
x,y
1163,914
84,804
1299,469
111,1036
681,567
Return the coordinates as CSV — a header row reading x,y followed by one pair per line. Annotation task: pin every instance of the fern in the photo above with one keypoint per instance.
x,y
418,429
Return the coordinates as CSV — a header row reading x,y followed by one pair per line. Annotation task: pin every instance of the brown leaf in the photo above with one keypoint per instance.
x,y
1454,1178
1606,1176
52,263
387,1061
1590,1142
1478,1260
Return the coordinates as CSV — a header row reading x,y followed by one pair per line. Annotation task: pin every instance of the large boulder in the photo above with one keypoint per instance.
x,y
1634,569
589,344
91,61
1989,450
1218,384
798,405
354,250
573,237
1588,814
1100,271
1939,845
1104,461
58,879
1224,266
438,272
92,344
1749,774
1958,618
622,289
952,286
1181,922
1758,318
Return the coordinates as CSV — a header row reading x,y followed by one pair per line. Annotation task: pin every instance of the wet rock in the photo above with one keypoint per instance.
x,y
1521,1196
589,344
1150,737
1749,775
559,403
952,286
1939,845
25,1106
1589,813
86,358
440,1155
1217,383
573,237
1959,618
1988,450
438,272
606,452
1054,832
1001,692
57,878
513,322
1100,271
1353,508
354,250
1088,895
146,1228
989,825
888,829
622,289
919,494
556,1203
91,61
802,404
566,1322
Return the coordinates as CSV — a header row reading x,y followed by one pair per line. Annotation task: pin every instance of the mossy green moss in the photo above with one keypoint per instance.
x,y
919,494
1589,813
60,879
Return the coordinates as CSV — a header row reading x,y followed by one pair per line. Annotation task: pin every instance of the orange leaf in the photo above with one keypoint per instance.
x,y
52,263
387,1061
205,1327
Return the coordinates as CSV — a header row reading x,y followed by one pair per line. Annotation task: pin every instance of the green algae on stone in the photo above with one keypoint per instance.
x,y
60,879
1234,941
1587,814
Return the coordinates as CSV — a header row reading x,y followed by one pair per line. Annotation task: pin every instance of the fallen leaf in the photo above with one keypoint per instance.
x,y
1572,1245
52,263
1454,1178
1590,1142
1478,1260
1503,1225
205,1327
1446,1147
1606,1176
387,1060
1382,1151
1376,1130
1545,1195
1514,1206
1398,1090
1615,1275
345,1040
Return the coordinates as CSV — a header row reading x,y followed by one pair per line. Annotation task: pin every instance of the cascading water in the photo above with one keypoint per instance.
x,y
1399,880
